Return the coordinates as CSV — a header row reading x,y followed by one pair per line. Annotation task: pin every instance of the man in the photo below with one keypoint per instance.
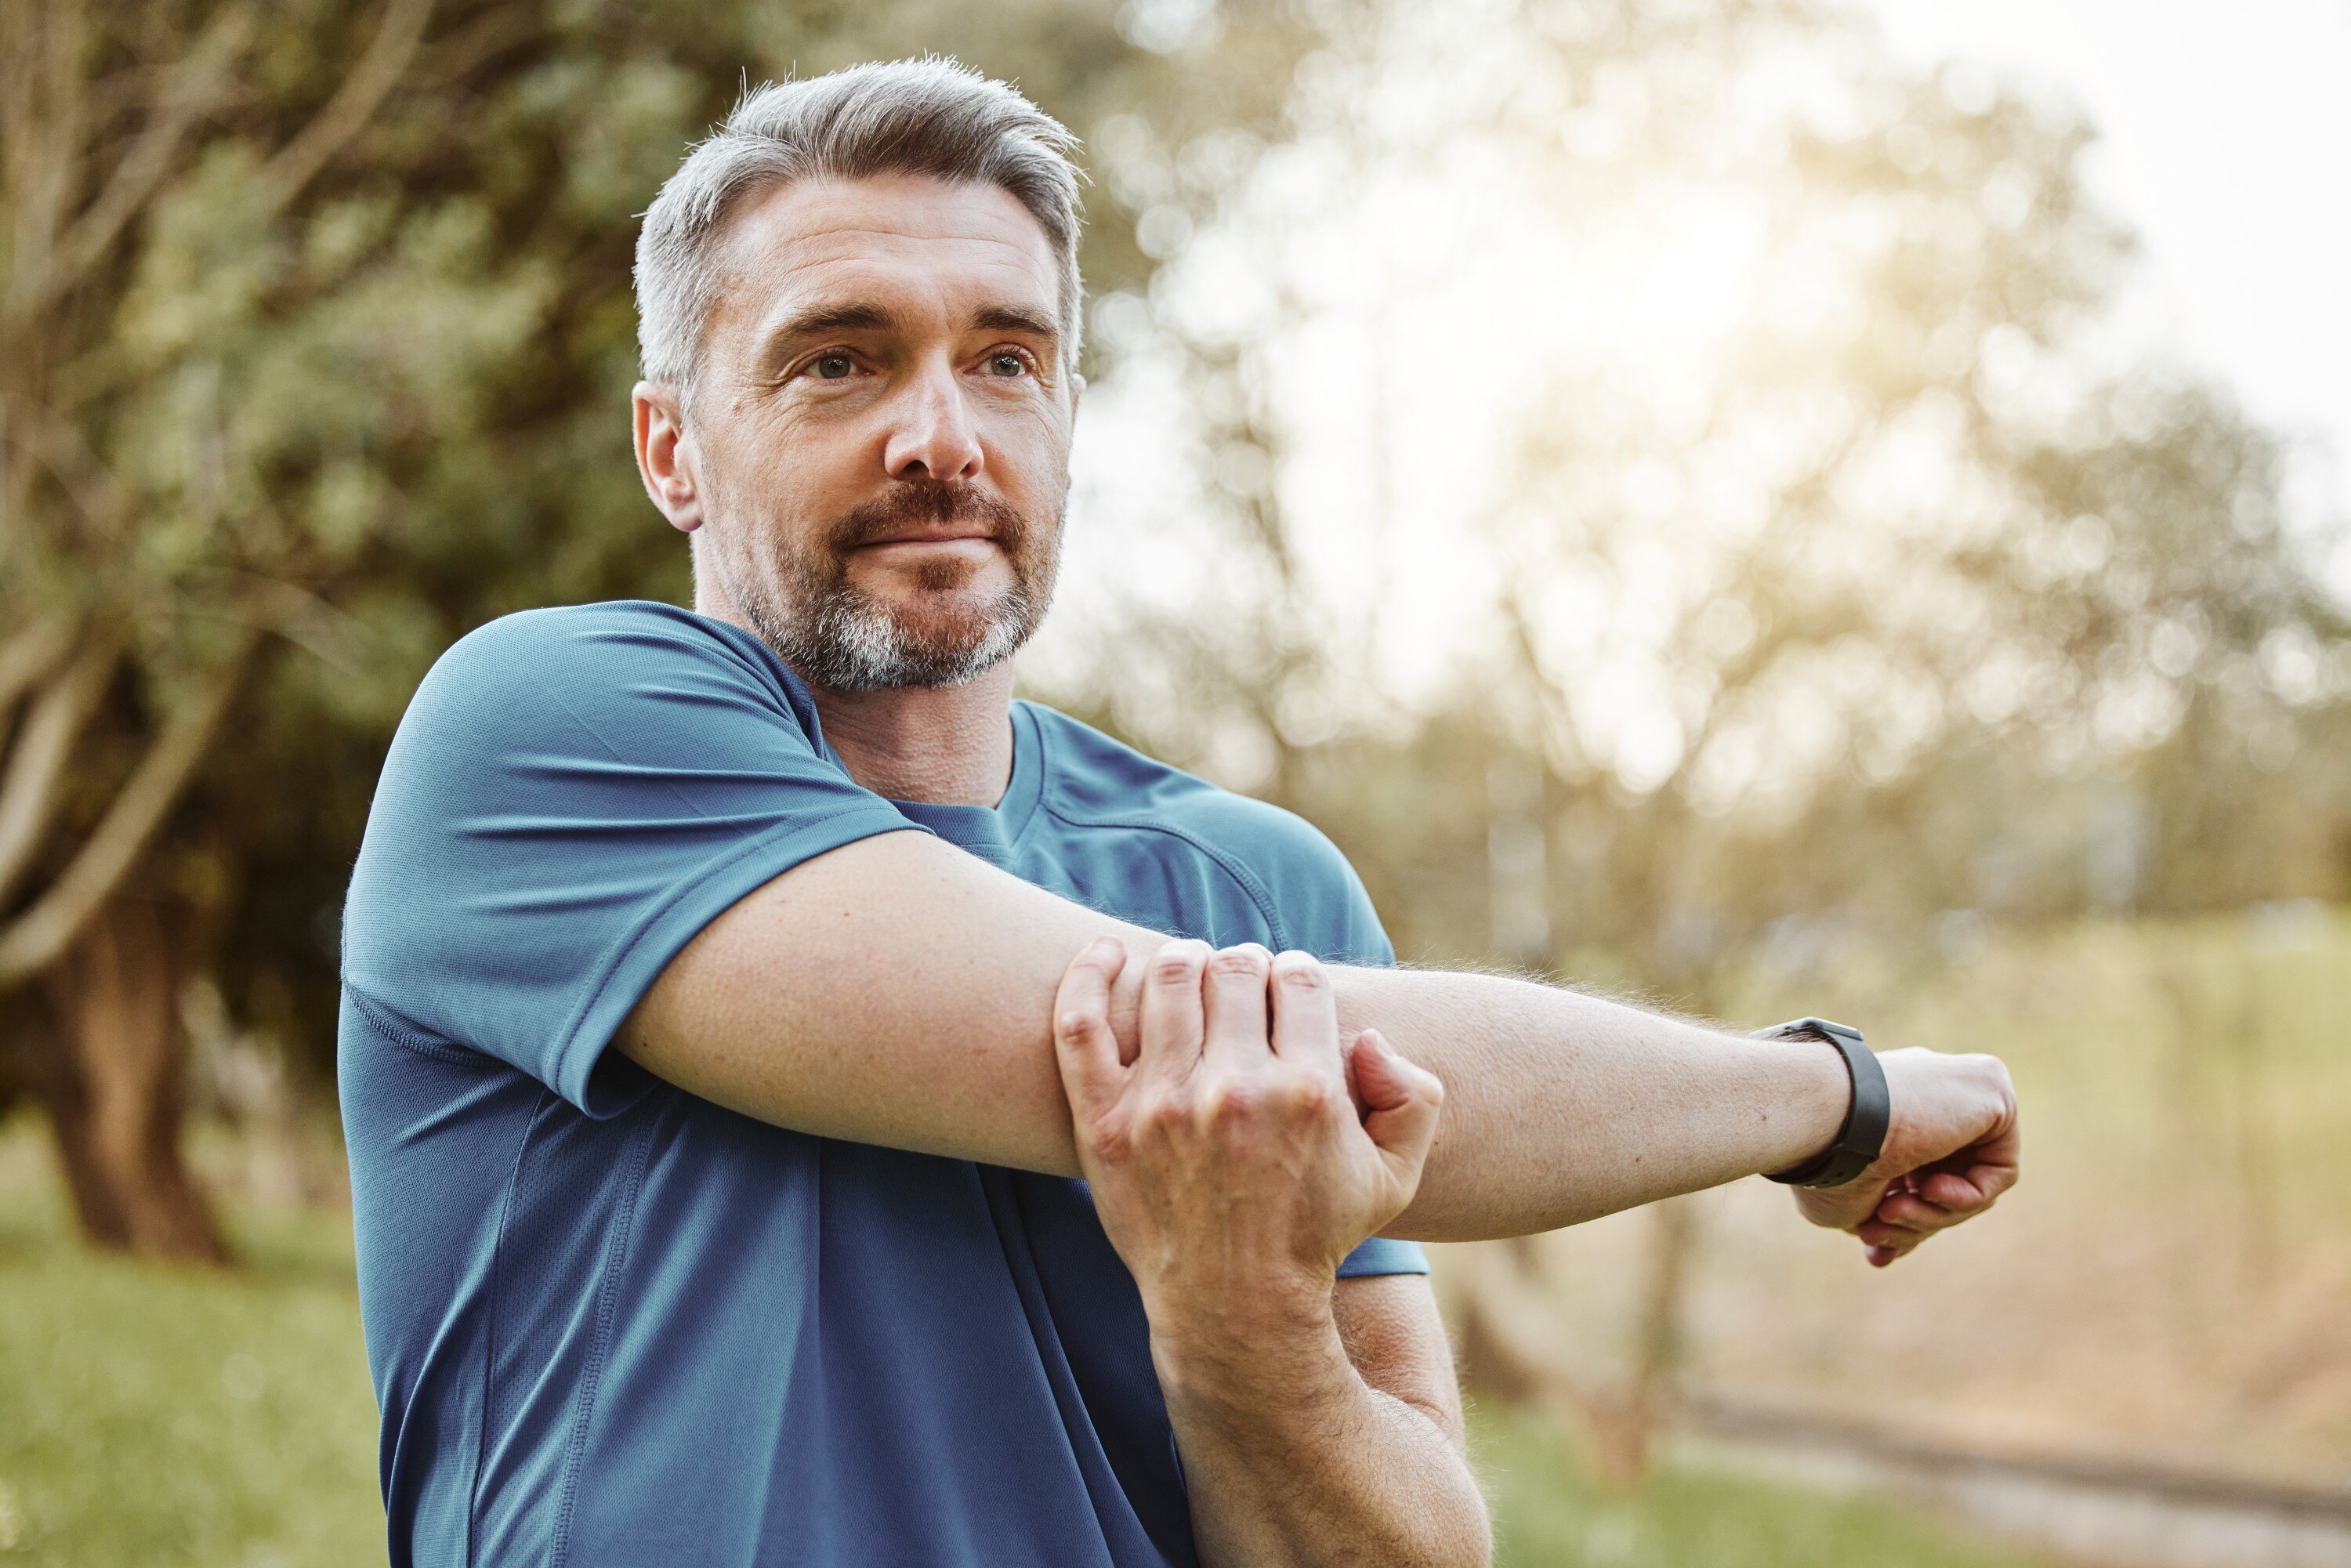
x,y
734,999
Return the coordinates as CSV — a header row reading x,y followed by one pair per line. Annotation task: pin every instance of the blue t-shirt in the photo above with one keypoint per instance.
x,y
611,1323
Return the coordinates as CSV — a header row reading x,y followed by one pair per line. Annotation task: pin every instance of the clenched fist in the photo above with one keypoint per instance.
x,y
1951,1149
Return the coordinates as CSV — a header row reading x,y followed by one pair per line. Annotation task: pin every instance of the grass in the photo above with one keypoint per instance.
x,y
154,1416
1547,1515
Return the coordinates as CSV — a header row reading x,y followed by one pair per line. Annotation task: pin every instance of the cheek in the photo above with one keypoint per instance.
x,y
811,448
1032,454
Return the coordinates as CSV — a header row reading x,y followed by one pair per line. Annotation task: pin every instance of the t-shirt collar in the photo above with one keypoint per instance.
x,y
990,831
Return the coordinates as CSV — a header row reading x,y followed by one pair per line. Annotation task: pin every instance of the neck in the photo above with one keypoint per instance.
x,y
947,746
943,745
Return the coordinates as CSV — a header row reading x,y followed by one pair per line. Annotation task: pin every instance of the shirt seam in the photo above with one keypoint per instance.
x,y
591,1375
390,1026
1254,890
490,1328
1044,774
615,753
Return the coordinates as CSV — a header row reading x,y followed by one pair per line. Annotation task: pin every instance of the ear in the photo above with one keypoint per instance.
x,y
1077,392
666,457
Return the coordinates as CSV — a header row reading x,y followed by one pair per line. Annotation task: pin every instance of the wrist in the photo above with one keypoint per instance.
x,y
1860,1135
1813,1096
1272,1358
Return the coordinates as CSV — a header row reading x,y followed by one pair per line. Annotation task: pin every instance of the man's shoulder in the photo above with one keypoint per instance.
x,y
1283,860
541,642
547,711
537,666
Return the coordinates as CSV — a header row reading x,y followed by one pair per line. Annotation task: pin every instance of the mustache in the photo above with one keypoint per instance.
x,y
912,503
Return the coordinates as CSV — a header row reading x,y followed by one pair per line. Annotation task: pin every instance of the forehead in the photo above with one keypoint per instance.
x,y
905,240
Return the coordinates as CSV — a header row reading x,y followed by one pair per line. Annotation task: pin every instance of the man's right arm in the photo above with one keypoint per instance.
x,y
898,991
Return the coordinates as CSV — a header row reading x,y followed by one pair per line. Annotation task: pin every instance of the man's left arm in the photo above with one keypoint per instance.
x,y
1317,1423
1311,1452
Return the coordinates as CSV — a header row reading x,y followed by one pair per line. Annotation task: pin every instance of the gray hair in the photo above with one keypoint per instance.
x,y
930,116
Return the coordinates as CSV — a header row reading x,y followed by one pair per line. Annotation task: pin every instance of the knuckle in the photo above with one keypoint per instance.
x,y
1244,962
1074,1024
1178,961
1299,971
1108,1141
1307,1095
1228,1102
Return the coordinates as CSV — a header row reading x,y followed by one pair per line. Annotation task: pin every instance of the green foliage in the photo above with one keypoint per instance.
x,y
372,399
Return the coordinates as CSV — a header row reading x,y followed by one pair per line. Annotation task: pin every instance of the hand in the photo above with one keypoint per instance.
x,y
1950,1151
1228,1162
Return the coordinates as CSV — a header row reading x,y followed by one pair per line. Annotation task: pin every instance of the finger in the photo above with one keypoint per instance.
x,y
1882,1246
1239,1034
1990,1168
1083,1041
1887,1233
1172,1021
1954,1190
1306,1016
1402,1100
1970,1181
1913,1213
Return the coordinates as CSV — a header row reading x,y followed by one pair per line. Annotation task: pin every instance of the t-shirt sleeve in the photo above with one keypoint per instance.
x,y
571,797
1382,1255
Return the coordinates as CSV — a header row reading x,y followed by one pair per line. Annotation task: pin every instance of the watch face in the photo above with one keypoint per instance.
x,y
1808,1028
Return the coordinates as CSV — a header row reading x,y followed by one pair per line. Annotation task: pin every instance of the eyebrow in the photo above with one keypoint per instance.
x,y
1017,319
815,321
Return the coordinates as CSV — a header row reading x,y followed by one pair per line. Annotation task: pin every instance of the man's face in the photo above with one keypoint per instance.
x,y
880,436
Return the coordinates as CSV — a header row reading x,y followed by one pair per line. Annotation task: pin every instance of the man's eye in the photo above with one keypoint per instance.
x,y
1006,364
831,366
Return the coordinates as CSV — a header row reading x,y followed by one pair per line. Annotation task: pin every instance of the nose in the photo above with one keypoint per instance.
x,y
933,436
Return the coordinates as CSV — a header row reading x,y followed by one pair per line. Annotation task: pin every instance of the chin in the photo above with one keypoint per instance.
x,y
940,591
950,629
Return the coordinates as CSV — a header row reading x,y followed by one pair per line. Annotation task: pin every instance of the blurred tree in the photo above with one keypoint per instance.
x,y
315,353
145,554
1847,570
1847,575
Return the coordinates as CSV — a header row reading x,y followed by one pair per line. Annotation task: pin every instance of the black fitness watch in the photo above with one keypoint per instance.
x,y
1862,1137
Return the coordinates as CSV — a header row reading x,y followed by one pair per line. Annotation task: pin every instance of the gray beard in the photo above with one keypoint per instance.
x,y
806,608
844,642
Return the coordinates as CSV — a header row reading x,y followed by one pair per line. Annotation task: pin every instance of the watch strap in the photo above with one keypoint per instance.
x,y
1862,1136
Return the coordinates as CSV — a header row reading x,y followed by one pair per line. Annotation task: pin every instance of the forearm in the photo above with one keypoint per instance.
x,y
1292,1460
1561,1107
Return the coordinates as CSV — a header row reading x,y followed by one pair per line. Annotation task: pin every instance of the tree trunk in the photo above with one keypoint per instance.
x,y
38,1066
1657,1347
113,1086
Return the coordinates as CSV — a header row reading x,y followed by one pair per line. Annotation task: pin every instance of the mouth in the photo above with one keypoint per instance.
x,y
952,542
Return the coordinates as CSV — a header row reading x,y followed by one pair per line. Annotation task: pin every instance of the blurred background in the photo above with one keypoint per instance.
x,y
1754,503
